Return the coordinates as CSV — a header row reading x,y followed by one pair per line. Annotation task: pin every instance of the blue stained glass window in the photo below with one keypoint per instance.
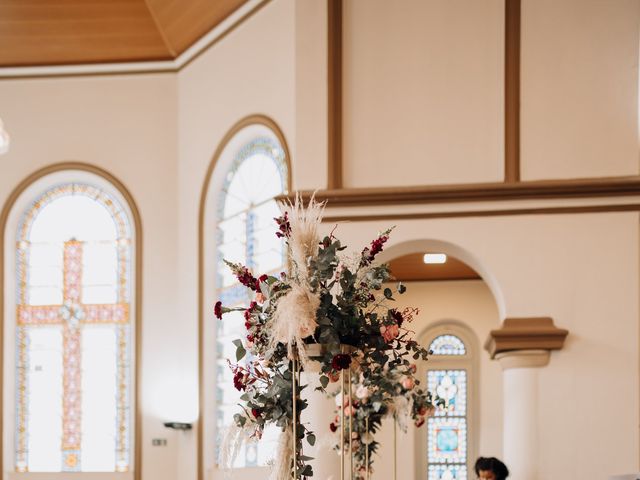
x,y
451,386
447,345
447,440
447,449
447,472
246,235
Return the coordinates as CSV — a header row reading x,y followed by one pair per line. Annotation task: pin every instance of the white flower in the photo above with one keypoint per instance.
x,y
362,392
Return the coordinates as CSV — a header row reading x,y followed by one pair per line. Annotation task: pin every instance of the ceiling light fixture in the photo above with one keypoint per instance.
x,y
434,258
4,139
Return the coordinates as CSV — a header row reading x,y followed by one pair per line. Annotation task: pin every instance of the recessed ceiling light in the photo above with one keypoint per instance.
x,y
431,258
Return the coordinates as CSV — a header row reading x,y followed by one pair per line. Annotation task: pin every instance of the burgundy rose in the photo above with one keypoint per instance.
x,y
333,427
341,361
217,310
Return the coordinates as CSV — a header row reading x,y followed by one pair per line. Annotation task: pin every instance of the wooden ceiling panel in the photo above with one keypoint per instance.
x,y
412,268
55,32
185,21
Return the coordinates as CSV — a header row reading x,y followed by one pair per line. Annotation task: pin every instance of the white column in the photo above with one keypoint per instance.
x,y
520,407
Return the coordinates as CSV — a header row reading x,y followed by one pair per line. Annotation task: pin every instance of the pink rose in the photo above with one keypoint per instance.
x,y
390,332
407,382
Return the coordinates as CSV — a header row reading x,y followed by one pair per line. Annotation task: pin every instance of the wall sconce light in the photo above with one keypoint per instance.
x,y
4,139
178,425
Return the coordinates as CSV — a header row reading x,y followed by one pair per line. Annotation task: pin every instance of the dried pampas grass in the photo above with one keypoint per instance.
x,y
294,320
234,438
282,464
303,237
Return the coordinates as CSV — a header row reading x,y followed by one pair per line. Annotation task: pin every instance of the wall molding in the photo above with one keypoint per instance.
x,y
512,28
478,192
334,94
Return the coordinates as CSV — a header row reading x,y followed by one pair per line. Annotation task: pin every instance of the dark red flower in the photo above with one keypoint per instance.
x,y
333,427
256,412
258,281
250,338
284,227
397,316
249,311
245,278
239,380
341,361
369,253
217,310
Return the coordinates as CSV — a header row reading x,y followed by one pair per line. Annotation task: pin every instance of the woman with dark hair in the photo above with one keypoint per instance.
x,y
490,468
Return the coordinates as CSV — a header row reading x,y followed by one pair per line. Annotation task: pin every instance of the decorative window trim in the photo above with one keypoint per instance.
x,y
470,362
16,204
240,134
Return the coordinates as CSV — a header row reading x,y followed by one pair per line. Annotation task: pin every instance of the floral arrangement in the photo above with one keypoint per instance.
x,y
381,392
327,297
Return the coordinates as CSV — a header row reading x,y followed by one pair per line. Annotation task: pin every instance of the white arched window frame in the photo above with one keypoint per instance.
x,y
95,323
447,447
223,218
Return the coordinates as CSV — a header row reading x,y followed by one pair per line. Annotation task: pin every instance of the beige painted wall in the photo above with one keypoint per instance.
x,y
126,125
423,92
579,88
472,303
251,71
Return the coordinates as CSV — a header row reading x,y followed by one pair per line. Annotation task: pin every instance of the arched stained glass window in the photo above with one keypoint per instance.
x,y
448,372
246,234
447,345
73,333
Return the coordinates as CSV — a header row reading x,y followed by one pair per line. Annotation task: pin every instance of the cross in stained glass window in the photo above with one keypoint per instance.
x,y
72,316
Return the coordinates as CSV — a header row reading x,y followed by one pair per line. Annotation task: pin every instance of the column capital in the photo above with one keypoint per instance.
x,y
525,334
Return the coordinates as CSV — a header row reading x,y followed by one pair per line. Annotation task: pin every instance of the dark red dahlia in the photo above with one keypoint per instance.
x,y
341,361
333,427
256,413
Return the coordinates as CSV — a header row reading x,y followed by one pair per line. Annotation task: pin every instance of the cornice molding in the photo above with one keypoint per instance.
x,y
477,192
532,333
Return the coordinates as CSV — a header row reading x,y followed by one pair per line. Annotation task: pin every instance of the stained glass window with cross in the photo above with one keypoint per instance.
x,y
74,333
246,234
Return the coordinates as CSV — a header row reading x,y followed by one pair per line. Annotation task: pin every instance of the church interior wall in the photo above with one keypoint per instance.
x,y
579,75
127,126
157,133
425,96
